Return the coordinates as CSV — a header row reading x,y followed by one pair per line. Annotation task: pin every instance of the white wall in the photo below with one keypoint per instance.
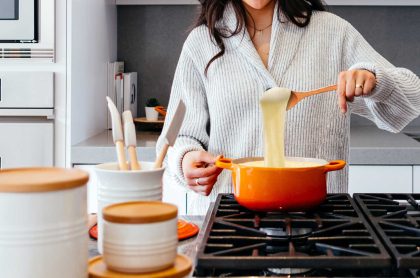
x,y
92,42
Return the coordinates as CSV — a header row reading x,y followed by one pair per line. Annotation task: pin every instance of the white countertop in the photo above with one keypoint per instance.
x,y
368,145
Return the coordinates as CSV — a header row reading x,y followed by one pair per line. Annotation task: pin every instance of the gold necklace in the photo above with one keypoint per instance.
x,y
260,31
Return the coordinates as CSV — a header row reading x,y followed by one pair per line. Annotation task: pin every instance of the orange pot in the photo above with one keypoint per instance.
x,y
270,189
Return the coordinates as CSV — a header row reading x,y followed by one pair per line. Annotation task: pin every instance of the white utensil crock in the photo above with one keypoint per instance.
x,y
116,186
43,223
140,237
151,114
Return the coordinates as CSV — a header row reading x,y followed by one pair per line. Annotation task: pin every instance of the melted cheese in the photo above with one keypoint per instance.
x,y
273,105
288,164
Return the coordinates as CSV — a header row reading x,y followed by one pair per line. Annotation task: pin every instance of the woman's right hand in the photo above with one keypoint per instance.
x,y
200,172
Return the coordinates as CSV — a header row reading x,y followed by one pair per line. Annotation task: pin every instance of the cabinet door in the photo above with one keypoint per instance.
x,y
26,144
26,90
92,186
416,179
380,179
176,196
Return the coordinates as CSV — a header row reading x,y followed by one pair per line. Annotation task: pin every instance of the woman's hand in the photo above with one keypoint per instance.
x,y
354,83
200,172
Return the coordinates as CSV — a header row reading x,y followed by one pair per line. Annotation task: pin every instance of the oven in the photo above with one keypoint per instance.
x,y
26,119
18,21
27,30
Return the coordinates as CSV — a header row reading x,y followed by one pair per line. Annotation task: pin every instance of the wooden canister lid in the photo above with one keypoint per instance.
x,y
181,268
22,180
139,212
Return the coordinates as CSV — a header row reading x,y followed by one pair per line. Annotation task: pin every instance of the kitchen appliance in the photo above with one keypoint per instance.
x,y
396,218
27,29
265,189
18,21
26,119
375,235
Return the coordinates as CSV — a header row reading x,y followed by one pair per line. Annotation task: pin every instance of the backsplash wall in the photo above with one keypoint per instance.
x,y
150,39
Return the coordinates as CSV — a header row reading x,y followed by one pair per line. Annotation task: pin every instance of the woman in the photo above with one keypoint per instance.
x,y
240,48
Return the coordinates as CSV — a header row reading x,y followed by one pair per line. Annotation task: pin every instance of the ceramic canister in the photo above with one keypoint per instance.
x,y
43,223
140,236
115,186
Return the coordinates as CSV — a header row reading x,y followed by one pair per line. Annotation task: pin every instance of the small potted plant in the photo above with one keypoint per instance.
x,y
151,113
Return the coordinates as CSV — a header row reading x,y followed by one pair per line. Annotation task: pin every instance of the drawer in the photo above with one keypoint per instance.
x,y
26,144
26,89
380,179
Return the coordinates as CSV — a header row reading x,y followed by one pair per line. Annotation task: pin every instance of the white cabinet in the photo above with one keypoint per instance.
x,y
26,90
380,179
176,196
92,186
416,179
25,144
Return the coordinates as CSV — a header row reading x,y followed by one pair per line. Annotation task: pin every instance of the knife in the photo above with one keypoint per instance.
x,y
117,134
171,132
130,139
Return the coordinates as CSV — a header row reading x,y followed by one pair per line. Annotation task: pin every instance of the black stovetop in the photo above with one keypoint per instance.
x,y
336,239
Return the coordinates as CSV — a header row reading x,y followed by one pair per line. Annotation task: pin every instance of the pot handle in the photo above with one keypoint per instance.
x,y
335,165
225,163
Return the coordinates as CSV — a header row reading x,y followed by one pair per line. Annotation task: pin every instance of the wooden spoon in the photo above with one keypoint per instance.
x,y
295,97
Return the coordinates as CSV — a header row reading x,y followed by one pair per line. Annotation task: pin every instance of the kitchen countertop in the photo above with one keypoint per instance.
x,y
100,148
368,146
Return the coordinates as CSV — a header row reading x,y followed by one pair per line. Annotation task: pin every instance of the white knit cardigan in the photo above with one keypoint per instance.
x,y
223,114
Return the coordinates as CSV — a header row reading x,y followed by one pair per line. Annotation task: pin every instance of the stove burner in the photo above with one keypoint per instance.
x,y
287,271
295,232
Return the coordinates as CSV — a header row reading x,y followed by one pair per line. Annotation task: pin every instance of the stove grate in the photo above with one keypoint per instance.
x,y
333,235
396,218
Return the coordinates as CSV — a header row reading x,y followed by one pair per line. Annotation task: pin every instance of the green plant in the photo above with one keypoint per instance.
x,y
152,102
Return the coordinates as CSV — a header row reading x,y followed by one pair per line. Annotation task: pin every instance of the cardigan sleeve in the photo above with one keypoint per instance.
x,y
395,101
193,136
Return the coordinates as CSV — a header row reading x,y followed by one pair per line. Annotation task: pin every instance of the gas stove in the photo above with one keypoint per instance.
x,y
396,218
340,238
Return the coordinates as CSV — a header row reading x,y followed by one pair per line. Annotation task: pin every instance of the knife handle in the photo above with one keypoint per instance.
x,y
133,158
161,156
122,161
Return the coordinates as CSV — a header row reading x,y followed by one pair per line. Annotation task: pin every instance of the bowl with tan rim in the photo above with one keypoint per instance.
x,y
140,237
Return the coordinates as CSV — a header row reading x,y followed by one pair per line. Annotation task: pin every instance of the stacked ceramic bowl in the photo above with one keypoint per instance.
x,y
116,186
140,240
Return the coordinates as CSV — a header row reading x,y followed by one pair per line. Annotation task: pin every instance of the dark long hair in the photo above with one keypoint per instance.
x,y
297,11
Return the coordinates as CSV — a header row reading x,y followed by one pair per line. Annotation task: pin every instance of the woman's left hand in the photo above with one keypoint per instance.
x,y
354,83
